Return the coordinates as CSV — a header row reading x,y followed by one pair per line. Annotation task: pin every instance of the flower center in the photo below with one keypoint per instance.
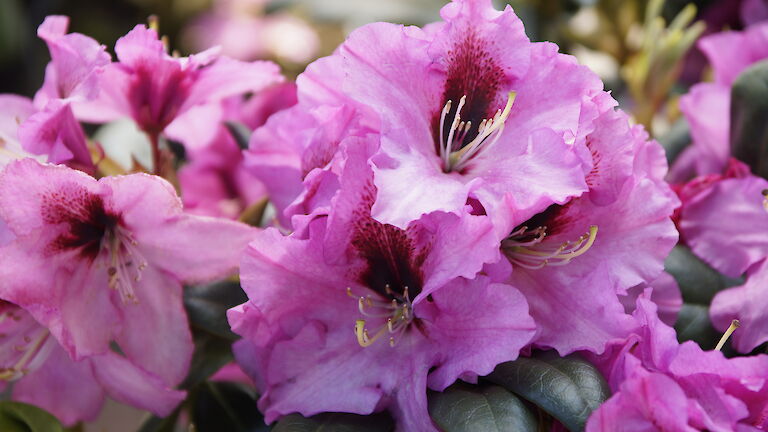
x,y
124,262
455,150
526,248
396,313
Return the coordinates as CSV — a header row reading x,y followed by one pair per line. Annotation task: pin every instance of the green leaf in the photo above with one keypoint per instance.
x,y
749,111
226,406
466,408
336,422
21,417
211,354
676,140
698,281
240,133
693,324
207,306
568,388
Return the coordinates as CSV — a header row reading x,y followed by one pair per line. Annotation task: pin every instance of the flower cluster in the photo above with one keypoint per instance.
x,y
419,207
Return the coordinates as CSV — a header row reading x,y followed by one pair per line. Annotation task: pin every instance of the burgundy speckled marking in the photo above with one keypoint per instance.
x,y
474,72
593,177
85,216
389,252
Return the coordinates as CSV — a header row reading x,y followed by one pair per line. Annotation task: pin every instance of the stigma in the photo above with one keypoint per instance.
x,y
455,153
525,248
125,263
392,317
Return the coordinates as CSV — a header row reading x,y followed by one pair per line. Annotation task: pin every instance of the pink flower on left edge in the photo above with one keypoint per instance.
x,y
154,88
100,264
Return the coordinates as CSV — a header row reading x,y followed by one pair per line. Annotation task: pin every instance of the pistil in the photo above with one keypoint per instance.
x,y
397,315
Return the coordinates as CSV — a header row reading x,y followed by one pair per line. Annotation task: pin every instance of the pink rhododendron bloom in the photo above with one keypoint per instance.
x,y
568,269
659,384
411,295
732,248
44,375
214,181
154,88
76,63
707,105
99,264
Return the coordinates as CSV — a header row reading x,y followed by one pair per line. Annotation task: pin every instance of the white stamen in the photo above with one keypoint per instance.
x,y
488,133
125,264
525,249
397,314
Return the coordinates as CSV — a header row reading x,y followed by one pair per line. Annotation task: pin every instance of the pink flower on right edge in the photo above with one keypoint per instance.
x,y
722,217
659,384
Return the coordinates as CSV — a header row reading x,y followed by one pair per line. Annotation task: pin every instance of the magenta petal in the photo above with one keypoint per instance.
x,y
140,44
56,133
471,343
157,338
645,403
63,387
129,384
726,224
749,304
707,109
731,52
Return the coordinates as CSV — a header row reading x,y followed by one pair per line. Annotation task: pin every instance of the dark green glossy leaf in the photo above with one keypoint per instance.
x,y
676,140
466,408
226,406
568,388
693,324
335,422
698,281
211,354
240,133
21,417
749,118
207,306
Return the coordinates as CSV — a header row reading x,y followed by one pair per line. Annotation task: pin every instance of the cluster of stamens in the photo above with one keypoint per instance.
x,y
454,153
397,315
525,248
32,351
125,263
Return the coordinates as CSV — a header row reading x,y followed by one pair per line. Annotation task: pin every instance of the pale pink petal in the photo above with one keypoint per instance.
x,y
707,109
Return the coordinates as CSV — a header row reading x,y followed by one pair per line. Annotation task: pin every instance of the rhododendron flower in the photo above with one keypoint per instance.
x,y
732,249
76,63
659,384
100,264
568,269
411,295
44,375
707,105
154,88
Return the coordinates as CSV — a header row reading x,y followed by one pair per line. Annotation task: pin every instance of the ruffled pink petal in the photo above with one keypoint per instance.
x,y
725,225
227,77
76,61
65,388
156,334
707,109
732,52
55,132
472,343
129,384
648,402
749,304
138,46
